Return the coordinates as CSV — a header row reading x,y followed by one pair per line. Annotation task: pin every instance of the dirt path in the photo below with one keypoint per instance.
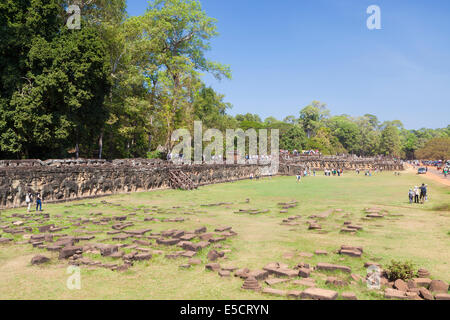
x,y
432,174
437,176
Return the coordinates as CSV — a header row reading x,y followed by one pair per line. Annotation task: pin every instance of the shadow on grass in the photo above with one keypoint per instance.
x,y
442,207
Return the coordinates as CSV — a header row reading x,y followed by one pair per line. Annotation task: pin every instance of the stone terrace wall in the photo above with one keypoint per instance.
x,y
293,165
62,180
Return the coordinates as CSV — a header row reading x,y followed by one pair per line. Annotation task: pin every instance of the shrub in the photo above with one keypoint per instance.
x,y
400,270
154,155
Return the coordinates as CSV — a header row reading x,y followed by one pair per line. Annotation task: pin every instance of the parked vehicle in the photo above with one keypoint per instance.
x,y
422,171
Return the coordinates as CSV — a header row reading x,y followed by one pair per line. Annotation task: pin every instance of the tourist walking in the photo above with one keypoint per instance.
x,y
423,193
411,196
299,177
416,194
29,200
38,201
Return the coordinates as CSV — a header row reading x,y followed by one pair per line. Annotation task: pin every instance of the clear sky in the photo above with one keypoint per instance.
x,y
286,53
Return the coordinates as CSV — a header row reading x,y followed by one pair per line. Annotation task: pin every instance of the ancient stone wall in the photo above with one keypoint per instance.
x,y
291,166
62,180
59,180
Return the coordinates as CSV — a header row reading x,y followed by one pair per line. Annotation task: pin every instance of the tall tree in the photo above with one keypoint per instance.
x,y
347,132
293,139
210,108
179,32
390,141
21,22
370,135
410,145
56,101
62,106
311,117
326,142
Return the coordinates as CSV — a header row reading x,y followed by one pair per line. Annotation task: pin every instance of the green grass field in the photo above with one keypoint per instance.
x,y
418,233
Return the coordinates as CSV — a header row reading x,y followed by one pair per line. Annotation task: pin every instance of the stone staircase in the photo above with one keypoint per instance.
x,y
180,180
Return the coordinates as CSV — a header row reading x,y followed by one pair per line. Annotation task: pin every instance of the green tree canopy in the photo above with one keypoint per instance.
x,y
311,117
293,139
390,141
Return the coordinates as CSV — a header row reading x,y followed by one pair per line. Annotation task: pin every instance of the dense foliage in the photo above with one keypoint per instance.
x,y
120,86
400,270
435,149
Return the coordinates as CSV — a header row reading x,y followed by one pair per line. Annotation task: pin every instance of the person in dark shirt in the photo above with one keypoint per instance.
x,y
423,193
38,201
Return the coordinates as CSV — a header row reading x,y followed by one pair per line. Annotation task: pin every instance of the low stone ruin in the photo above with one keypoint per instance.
x,y
291,166
64,180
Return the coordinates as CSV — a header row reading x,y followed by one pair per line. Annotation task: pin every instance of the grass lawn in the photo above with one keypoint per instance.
x,y
418,233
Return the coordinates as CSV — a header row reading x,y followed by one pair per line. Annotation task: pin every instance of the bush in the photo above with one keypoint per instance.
x,y
400,270
154,155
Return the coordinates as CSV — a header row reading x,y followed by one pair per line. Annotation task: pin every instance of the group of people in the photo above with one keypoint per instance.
x,y
418,194
255,176
334,172
327,173
305,173
29,199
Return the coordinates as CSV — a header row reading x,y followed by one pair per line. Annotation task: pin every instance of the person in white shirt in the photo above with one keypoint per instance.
x,y
28,200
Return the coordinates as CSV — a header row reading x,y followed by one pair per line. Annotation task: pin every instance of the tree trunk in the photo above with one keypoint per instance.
x,y
168,139
100,145
111,147
150,142
150,137
77,151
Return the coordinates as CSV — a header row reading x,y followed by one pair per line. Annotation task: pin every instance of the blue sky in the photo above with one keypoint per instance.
x,y
286,53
